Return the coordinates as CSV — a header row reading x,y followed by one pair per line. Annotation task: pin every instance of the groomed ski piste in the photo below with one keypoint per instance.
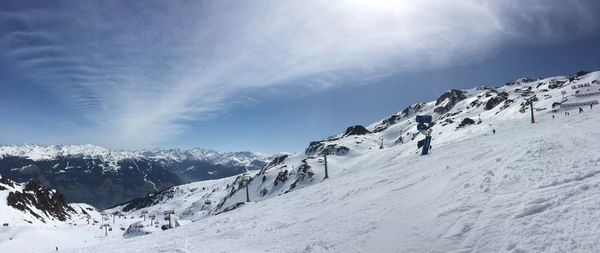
x,y
526,188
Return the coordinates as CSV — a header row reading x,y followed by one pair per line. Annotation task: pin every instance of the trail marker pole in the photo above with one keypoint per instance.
x,y
531,105
325,163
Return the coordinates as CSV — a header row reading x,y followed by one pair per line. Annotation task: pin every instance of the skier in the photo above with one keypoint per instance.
x,y
552,116
493,131
56,248
591,106
580,110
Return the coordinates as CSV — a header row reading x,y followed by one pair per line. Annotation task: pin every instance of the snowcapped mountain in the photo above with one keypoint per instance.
x,y
28,203
493,182
245,158
103,178
51,152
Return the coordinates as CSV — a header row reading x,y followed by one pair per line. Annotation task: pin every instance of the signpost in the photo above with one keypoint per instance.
x,y
424,127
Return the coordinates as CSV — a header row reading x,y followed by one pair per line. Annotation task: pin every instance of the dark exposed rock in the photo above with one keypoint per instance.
x,y
475,103
333,149
449,98
232,207
493,102
555,104
408,111
282,176
314,147
581,73
37,196
528,79
276,161
466,122
356,130
319,148
554,84
6,181
447,122
387,123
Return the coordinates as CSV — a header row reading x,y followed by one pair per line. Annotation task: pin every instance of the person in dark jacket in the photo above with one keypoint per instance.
x,y
580,110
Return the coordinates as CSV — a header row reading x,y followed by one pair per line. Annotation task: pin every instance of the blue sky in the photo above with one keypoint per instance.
x,y
265,76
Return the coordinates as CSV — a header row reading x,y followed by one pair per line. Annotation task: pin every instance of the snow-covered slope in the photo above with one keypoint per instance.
x,y
526,188
486,108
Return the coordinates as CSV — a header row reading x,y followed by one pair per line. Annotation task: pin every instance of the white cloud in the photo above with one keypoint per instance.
x,y
143,71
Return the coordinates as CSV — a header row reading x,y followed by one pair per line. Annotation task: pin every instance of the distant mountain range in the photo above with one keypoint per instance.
x,y
103,177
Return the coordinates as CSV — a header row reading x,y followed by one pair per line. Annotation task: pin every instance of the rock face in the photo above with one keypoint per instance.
x,y
448,100
356,130
494,101
321,148
466,122
408,111
276,161
333,149
40,202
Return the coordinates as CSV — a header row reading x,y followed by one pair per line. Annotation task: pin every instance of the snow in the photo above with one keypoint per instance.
x,y
477,195
527,188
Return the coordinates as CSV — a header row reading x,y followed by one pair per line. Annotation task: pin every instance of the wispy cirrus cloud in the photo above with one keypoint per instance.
x,y
142,71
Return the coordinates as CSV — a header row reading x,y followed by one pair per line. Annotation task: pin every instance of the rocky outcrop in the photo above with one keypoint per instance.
x,y
408,111
356,130
277,160
36,199
448,100
319,148
494,101
466,122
